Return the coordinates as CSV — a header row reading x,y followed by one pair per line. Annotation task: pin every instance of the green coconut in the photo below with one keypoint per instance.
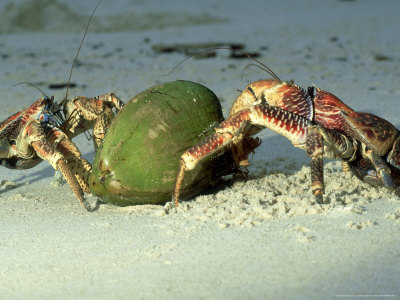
x,y
139,158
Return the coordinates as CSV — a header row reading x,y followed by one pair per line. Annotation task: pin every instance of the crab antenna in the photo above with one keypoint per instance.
x,y
77,53
261,68
264,67
33,85
267,69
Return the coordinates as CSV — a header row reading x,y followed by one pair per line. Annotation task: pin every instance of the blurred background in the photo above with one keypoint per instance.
x,y
344,46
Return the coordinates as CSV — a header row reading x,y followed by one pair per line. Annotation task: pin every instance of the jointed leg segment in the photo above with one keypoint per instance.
x,y
232,131
45,149
317,141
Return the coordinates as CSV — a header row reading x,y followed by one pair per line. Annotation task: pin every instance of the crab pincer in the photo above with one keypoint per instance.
x,y
299,130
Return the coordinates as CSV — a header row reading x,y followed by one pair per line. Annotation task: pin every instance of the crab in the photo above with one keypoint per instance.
x,y
319,123
378,160
44,131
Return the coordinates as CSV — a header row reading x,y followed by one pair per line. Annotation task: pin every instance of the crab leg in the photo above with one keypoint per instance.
x,y
228,133
297,129
79,166
315,150
73,183
45,150
322,142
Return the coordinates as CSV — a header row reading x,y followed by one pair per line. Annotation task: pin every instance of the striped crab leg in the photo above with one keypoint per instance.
x,y
298,130
46,150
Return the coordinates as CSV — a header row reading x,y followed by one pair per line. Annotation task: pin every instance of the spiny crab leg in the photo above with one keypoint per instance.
x,y
73,183
315,149
322,142
300,131
45,150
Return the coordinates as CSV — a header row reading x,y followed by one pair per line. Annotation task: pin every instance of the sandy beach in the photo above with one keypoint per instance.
x,y
264,238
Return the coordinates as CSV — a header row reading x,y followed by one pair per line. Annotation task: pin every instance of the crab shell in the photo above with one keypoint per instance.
x,y
9,127
376,133
274,92
11,137
328,110
138,159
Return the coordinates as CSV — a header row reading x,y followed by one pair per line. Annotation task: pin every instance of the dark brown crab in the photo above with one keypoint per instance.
x,y
321,124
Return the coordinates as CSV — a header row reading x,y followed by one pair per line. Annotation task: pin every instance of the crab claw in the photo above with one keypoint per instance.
x,y
382,170
387,181
393,157
376,133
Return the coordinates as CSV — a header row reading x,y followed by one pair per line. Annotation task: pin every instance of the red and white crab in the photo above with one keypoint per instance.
x,y
321,124
44,131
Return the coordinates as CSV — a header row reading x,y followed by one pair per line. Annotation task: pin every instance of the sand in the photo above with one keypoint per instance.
x,y
264,238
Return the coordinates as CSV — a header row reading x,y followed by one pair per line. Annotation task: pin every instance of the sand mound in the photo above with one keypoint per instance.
x,y
274,196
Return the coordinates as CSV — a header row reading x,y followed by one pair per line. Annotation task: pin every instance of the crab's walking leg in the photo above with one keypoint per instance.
x,y
191,157
79,166
330,143
313,138
315,149
73,183
230,131
44,149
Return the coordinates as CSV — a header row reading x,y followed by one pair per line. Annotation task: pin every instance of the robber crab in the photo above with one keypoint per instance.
x,y
44,131
319,123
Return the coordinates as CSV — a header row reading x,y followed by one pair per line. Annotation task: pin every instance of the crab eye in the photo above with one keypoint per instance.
x,y
48,99
311,91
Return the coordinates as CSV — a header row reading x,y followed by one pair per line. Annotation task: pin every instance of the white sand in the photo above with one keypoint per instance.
x,y
264,238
